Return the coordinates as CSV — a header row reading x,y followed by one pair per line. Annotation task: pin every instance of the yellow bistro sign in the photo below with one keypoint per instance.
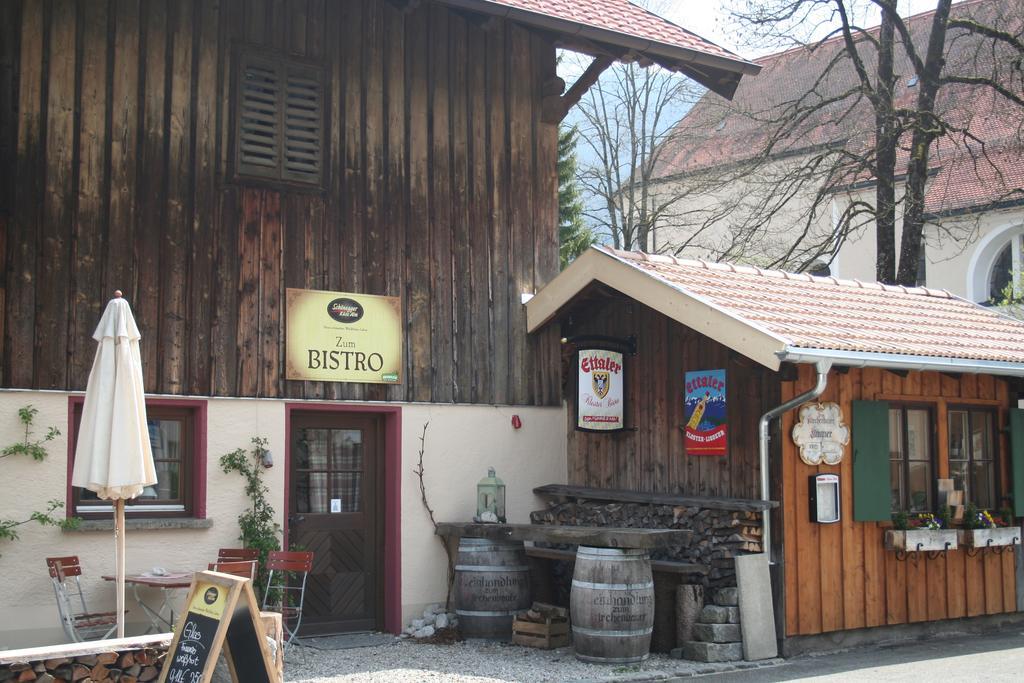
x,y
343,337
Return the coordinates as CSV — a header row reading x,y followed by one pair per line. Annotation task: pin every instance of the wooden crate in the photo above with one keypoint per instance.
x,y
546,636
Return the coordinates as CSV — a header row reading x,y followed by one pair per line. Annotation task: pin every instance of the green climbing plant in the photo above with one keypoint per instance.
x,y
35,449
257,526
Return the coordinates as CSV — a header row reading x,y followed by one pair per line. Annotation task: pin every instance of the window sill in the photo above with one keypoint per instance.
x,y
151,523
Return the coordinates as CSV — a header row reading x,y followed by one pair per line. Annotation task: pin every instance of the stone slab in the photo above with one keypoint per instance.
x,y
711,652
598,537
717,614
757,615
717,633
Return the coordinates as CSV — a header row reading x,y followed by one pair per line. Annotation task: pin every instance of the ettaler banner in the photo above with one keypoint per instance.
x,y
599,406
705,413
343,337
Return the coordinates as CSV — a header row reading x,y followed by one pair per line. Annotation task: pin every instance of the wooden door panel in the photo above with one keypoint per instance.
x,y
336,465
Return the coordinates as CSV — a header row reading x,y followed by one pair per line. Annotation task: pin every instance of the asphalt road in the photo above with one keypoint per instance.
x,y
992,657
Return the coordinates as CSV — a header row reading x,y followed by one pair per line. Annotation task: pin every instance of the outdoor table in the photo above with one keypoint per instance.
x,y
167,583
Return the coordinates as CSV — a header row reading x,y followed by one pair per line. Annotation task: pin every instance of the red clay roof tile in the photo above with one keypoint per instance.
x,y
827,313
621,16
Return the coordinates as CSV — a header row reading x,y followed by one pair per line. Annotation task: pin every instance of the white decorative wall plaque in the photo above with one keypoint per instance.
x,y
821,434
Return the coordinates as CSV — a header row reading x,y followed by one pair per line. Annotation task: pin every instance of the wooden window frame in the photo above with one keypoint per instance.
x,y
995,460
933,458
279,179
192,480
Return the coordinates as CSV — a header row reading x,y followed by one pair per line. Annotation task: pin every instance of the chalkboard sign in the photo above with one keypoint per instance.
x,y
245,636
192,649
220,611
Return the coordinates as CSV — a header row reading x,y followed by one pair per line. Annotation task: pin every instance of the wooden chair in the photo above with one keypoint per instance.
x,y
289,596
244,568
79,625
237,554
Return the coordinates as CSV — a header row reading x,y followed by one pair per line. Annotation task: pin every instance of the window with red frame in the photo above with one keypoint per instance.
x,y
172,435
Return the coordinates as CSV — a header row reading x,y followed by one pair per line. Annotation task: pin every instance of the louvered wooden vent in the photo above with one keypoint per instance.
x,y
280,133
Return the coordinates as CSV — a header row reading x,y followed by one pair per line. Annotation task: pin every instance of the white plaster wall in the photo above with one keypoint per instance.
x,y
959,249
461,442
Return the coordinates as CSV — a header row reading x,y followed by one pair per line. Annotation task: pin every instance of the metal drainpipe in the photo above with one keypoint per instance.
x,y
823,366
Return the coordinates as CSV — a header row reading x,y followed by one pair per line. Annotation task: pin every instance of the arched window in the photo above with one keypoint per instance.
x,y
995,268
1000,277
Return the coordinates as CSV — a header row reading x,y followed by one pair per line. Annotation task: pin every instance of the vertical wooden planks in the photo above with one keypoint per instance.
x,y
151,185
544,346
25,226
521,202
440,248
174,253
204,208
352,196
295,238
790,539
974,578
852,534
58,200
271,293
831,551
334,244
121,265
481,331
87,257
462,249
395,199
992,569
249,240
373,166
418,231
496,99
224,346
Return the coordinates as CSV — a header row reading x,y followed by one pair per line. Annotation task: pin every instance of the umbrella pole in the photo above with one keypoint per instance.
x,y
119,538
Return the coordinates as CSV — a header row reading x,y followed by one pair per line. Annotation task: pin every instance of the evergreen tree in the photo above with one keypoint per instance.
x,y
573,236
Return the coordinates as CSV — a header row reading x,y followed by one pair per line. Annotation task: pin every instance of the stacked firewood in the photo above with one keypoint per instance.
x,y
120,667
719,535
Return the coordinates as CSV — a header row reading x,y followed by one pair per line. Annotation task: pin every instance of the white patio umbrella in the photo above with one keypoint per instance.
x,y
113,456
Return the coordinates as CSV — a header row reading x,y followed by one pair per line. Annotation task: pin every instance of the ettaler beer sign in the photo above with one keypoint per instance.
x,y
342,337
705,414
599,405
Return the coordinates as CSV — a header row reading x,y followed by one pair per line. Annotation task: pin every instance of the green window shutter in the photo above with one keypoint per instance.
x,y
871,484
1017,459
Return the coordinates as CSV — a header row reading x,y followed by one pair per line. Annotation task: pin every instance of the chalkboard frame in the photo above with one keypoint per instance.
x,y
240,612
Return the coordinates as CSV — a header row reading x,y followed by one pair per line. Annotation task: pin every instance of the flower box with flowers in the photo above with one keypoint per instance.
x,y
921,533
983,530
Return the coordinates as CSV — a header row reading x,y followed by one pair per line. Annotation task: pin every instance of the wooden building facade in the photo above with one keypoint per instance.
x,y
427,173
827,578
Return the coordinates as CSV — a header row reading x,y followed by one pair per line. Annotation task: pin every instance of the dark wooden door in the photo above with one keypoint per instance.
x,y
336,512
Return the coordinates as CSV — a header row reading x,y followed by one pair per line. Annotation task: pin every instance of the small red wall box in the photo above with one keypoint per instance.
x,y
824,498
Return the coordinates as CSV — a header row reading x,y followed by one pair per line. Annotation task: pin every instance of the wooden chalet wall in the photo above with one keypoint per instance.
x,y
652,458
839,576
441,188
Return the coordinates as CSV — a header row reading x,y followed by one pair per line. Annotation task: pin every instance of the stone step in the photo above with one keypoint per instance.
x,y
717,633
709,652
727,597
718,614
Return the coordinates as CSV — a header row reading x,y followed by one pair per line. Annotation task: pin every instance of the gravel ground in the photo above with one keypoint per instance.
x,y
473,662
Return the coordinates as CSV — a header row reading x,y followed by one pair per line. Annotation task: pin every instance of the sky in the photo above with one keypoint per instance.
x,y
710,19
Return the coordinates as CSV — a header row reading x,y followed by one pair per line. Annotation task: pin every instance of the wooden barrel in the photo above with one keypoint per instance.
x,y
612,605
492,583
